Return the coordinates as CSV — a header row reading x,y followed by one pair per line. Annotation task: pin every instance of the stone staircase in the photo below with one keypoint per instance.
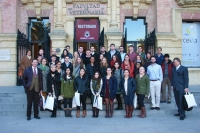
x,y
13,103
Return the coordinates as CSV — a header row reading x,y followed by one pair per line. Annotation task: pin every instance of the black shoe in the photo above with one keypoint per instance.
x,y
157,108
138,108
41,109
182,118
120,108
177,114
162,101
53,116
117,108
36,117
28,118
152,108
169,101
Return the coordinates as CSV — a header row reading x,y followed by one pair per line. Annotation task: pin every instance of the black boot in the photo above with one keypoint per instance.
x,y
107,111
70,113
97,113
66,113
93,112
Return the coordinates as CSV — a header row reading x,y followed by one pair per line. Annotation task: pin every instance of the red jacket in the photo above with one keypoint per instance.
x,y
170,66
131,69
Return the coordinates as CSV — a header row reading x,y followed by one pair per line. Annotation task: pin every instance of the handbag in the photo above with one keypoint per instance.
x,y
20,72
41,101
49,103
190,100
135,101
77,98
73,102
99,103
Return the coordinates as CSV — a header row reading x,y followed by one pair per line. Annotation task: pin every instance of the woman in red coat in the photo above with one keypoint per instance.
x,y
128,64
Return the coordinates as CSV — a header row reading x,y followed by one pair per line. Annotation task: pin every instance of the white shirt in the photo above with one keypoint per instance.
x,y
178,67
126,86
35,70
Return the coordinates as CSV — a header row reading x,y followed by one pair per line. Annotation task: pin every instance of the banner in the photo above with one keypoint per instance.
x,y
191,44
87,29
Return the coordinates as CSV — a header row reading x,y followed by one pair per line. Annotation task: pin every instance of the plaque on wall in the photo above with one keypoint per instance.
x,y
4,54
86,9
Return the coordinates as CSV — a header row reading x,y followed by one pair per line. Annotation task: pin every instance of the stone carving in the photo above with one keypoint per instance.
x,y
136,4
102,1
188,3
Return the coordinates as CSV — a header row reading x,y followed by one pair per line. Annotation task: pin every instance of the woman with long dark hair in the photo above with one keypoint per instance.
x,y
118,73
128,87
108,91
139,59
68,91
53,81
114,59
128,64
81,84
77,67
95,86
63,55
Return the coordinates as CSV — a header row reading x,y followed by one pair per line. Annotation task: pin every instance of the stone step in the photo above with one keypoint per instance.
x,y
22,112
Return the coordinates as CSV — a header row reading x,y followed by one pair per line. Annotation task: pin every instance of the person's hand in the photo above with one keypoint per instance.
x,y
49,93
41,92
97,94
186,90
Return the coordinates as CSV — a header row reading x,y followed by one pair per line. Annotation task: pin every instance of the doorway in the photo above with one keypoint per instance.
x,y
87,45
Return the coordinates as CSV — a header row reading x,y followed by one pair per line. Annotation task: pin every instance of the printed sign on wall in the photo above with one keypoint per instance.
x,y
191,44
87,29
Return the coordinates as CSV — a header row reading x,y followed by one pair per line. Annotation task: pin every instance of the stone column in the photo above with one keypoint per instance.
x,y
114,34
58,35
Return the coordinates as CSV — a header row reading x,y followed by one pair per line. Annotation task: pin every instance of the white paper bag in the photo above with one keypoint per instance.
x,y
73,102
99,101
77,98
60,98
49,103
190,100
95,102
43,100
135,101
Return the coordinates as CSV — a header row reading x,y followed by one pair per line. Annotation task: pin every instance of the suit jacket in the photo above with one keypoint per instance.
x,y
131,86
82,56
180,78
27,78
70,66
108,56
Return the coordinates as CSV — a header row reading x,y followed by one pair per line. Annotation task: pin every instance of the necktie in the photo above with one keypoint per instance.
x,y
34,72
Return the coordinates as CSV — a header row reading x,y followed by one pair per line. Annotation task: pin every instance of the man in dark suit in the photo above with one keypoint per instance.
x,y
32,82
53,54
67,64
180,82
80,52
94,54
112,52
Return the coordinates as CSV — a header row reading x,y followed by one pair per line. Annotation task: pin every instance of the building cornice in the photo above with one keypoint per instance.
x,y
71,1
188,3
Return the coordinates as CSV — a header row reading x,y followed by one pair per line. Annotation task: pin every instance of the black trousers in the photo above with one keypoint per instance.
x,y
67,101
59,93
141,100
32,97
82,101
119,100
178,98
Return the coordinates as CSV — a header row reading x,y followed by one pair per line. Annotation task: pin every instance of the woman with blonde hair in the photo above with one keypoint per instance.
x,y
75,56
103,67
139,59
77,66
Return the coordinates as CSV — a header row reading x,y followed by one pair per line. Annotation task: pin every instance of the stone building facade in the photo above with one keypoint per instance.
x,y
166,16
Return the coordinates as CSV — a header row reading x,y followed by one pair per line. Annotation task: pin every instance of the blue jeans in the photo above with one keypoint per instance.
x,y
128,99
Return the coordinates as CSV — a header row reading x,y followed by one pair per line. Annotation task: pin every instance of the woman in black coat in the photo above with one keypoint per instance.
x,y
109,89
128,88
81,84
53,81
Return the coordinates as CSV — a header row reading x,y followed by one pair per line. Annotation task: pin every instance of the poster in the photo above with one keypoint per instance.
x,y
87,29
191,44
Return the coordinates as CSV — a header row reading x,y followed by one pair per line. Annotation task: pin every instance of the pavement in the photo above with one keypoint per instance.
x,y
162,121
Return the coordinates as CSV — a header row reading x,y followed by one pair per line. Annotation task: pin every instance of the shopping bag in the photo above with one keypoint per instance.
x,y
49,103
60,98
41,101
77,98
95,102
135,101
73,102
99,103
190,100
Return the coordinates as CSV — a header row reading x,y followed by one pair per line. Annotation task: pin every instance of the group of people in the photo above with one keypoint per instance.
x,y
107,74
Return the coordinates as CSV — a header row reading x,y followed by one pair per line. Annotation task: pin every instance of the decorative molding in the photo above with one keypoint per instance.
x,y
136,4
0,20
188,3
71,1
37,5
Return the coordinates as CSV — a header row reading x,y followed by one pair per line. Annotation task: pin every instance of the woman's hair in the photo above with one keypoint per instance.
x,y
84,76
62,55
65,75
106,64
142,61
45,59
127,70
114,68
107,69
74,54
117,60
130,62
138,63
99,78
27,51
58,62
81,63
